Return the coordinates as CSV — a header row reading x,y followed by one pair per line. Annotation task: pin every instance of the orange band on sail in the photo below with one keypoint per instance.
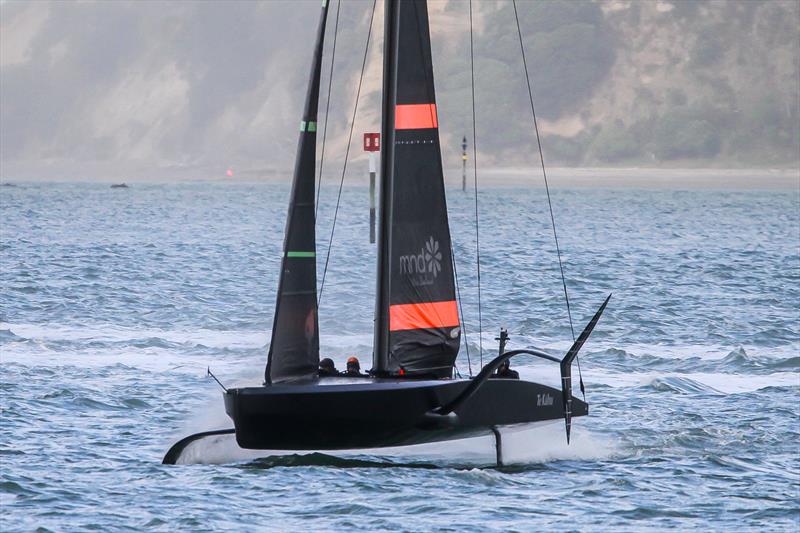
x,y
415,117
427,315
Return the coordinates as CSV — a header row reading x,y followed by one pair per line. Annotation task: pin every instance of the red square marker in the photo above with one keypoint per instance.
x,y
372,142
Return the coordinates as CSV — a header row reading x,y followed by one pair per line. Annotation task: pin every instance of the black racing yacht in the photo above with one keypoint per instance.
x,y
411,395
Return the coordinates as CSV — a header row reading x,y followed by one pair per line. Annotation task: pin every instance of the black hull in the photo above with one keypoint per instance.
x,y
340,413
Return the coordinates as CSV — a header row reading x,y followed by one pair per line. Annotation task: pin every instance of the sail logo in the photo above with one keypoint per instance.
x,y
424,266
543,400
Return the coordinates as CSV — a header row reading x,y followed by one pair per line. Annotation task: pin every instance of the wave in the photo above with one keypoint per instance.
x,y
235,354
682,385
739,360
699,359
724,383
764,467
6,335
323,459
114,334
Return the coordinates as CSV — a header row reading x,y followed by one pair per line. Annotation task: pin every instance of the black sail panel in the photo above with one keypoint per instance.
x,y
294,349
417,309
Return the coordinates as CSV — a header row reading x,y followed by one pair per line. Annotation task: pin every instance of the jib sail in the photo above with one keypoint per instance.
x,y
417,325
294,349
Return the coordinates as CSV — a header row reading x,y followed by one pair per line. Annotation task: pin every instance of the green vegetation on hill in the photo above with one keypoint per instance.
x,y
626,82
674,83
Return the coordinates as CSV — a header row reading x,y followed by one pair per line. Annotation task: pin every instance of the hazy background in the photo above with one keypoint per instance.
x,y
163,90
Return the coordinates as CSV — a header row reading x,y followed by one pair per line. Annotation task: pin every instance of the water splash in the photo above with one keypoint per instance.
x,y
522,445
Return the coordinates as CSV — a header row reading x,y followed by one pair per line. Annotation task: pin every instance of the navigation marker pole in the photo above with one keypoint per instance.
x,y
464,163
372,144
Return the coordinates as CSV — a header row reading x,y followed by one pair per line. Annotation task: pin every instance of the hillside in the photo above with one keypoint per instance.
x,y
639,83
203,86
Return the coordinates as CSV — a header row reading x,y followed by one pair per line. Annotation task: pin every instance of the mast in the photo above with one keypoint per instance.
x,y
417,328
294,347
381,342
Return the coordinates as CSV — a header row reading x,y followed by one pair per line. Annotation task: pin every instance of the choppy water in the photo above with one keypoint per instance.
x,y
114,302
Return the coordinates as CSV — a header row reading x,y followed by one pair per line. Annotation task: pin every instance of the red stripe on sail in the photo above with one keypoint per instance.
x,y
415,117
426,315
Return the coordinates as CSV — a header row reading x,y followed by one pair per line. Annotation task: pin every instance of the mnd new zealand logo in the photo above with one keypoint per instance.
x,y
424,266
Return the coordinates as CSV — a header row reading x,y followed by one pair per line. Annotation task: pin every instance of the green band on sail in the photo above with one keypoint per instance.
x,y
302,125
301,254
312,126
324,3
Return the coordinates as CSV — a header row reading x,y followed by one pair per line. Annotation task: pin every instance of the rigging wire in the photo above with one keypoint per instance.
x,y
546,187
461,310
327,108
347,153
475,173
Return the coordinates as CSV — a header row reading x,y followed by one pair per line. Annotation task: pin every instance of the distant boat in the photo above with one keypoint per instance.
x,y
412,394
8,184
119,186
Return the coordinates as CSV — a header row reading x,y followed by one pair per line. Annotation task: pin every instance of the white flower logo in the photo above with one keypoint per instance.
x,y
433,257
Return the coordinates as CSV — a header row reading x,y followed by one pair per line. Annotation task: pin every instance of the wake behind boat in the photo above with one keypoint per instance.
x,y
411,395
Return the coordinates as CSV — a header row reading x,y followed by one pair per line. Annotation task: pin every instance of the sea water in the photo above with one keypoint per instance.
x,y
115,301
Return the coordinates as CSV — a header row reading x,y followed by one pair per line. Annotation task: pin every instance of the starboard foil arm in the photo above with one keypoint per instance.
x,y
483,376
176,450
565,367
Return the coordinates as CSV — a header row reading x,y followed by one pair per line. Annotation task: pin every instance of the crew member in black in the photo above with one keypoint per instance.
x,y
353,368
327,368
504,371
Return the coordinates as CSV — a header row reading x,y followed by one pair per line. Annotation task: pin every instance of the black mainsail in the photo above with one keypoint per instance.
x,y
417,325
294,349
